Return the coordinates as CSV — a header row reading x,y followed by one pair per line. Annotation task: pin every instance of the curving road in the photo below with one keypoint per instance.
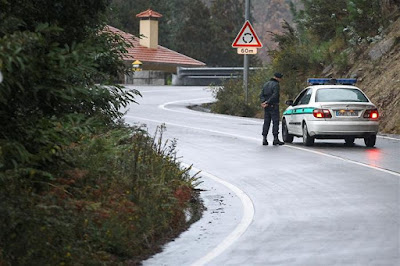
x,y
268,205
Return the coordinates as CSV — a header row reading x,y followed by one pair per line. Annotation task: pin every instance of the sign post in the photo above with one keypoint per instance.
x,y
246,43
246,57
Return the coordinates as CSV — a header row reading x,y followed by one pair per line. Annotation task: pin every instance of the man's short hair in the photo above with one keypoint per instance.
x,y
278,75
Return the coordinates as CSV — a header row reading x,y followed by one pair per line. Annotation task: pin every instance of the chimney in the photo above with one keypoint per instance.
x,y
149,28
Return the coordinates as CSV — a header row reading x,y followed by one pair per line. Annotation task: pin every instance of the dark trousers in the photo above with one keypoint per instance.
x,y
271,113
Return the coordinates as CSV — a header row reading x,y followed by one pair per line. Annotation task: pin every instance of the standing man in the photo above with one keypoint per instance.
x,y
270,102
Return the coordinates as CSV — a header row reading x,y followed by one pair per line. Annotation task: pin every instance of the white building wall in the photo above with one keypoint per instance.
x,y
146,77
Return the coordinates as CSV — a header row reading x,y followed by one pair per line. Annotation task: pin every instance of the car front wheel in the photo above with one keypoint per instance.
x,y
288,138
307,139
370,141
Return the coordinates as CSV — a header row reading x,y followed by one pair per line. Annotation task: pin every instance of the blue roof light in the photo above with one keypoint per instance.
x,y
327,81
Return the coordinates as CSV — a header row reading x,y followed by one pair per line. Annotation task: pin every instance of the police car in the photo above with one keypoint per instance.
x,y
331,109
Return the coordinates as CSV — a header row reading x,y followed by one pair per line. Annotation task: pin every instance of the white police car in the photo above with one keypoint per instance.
x,y
331,109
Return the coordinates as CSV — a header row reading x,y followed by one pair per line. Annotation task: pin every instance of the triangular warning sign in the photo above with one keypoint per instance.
x,y
247,37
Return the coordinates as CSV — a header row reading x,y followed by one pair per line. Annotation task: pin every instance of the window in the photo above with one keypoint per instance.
x,y
306,98
340,95
301,99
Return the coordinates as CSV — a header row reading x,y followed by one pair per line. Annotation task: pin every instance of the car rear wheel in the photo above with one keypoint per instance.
x,y
349,141
370,141
288,138
307,139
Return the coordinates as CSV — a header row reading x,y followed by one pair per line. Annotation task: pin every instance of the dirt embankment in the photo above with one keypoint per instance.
x,y
378,72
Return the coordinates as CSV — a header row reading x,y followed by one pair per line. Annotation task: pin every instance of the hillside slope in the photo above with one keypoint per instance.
x,y
268,17
378,74
377,66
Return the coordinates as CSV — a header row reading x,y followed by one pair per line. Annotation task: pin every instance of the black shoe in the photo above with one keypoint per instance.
x,y
278,142
265,142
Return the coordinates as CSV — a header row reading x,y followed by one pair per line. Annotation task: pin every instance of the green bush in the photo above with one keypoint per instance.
x,y
76,187
116,198
49,97
231,97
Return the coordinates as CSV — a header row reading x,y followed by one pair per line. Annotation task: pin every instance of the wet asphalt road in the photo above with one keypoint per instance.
x,y
268,205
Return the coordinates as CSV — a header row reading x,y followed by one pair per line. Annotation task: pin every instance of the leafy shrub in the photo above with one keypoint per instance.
x,y
231,100
49,97
76,187
231,96
117,197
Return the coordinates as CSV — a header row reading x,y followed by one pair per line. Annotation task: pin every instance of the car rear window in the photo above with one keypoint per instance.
x,y
340,95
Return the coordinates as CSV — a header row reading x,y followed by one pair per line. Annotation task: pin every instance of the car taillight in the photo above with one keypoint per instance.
x,y
322,113
373,114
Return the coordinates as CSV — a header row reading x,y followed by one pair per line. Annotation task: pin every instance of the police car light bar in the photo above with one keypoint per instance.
x,y
327,81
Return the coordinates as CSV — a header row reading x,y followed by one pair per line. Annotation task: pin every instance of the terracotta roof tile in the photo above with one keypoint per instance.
x,y
149,14
160,55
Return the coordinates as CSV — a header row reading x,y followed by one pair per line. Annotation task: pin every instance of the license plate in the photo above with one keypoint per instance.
x,y
346,113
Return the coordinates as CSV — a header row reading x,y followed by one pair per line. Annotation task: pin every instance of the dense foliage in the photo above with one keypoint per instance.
x,y
49,95
326,35
76,186
116,197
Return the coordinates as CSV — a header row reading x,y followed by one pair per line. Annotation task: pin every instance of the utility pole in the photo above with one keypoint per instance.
x,y
246,57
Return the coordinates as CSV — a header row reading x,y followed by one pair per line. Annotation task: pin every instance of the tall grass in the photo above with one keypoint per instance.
x,y
116,198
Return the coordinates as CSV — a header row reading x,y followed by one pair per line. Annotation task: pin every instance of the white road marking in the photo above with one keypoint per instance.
x,y
248,207
285,146
173,90
346,160
188,111
386,137
163,106
247,218
189,127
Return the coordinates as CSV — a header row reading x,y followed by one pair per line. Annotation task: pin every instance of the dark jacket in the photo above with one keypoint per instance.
x,y
270,92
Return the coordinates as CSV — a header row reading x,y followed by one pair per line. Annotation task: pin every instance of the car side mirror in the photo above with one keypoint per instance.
x,y
289,102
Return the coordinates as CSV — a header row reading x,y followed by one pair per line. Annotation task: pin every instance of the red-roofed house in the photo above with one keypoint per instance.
x,y
157,61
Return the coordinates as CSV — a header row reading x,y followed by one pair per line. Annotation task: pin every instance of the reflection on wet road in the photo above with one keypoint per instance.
x,y
323,205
